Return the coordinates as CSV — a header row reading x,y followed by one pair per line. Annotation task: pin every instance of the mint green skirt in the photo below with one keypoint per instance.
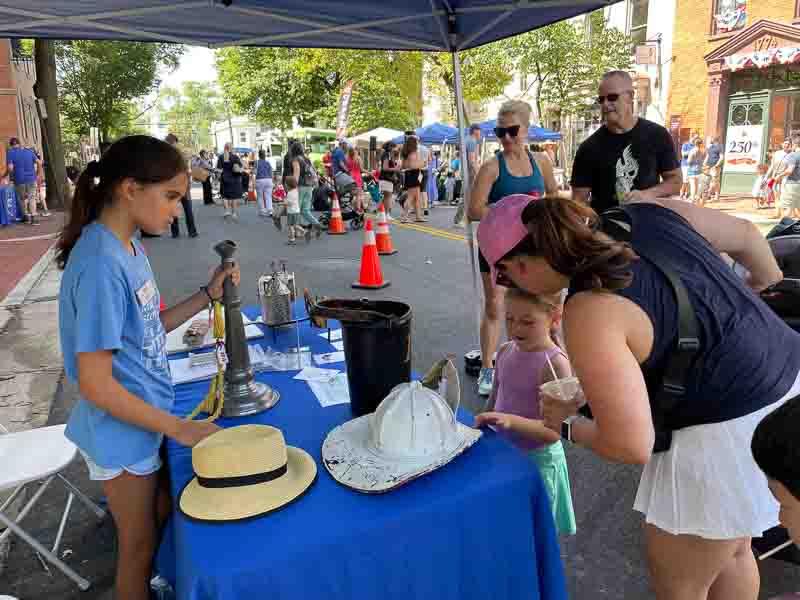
x,y
552,465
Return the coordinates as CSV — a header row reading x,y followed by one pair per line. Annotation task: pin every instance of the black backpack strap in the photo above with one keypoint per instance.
x,y
618,224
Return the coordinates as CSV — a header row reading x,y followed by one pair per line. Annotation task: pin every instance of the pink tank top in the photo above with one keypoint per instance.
x,y
518,377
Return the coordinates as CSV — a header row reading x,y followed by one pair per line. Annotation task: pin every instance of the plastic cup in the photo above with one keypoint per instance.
x,y
568,386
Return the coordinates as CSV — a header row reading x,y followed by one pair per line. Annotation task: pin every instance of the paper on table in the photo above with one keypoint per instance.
x,y
175,337
335,391
315,374
336,334
338,345
330,358
182,371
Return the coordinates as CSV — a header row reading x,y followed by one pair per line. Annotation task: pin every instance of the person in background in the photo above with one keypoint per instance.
x,y
339,158
293,226
353,164
113,340
305,178
40,193
532,324
686,150
513,170
412,180
231,189
433,184
695,162
203,162
186,201
776,450
23,164
714,166
388,176
327,163
789,179
777,165
473,157
628,158
263,171
450,187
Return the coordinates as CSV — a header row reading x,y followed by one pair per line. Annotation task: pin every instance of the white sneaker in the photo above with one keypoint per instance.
x,y
389,218
226,214
485,381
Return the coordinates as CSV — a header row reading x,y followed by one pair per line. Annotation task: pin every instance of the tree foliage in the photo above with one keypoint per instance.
x,y
485,73
98,81
564,62
273,85
190,111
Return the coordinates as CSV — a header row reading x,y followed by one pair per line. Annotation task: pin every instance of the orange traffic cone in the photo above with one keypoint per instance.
x,y
371,277
336,225
383,238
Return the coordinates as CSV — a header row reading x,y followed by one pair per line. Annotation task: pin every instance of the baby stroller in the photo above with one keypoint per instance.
x,y
345,188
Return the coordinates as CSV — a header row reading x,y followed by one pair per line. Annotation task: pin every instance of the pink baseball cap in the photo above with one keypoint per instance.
x,y
502,229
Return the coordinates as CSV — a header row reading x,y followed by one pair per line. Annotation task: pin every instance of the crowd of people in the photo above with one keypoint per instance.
x,y
598,283
25,169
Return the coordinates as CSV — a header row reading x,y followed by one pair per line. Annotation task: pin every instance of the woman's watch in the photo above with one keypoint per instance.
x,y
566,427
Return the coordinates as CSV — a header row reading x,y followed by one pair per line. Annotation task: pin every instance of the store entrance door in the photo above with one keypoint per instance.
x,y
745,141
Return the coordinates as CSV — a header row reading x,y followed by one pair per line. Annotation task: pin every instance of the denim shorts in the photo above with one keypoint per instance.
x,y
148,466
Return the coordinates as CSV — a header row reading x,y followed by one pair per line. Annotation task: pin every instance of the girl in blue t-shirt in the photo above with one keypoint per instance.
x,y
113,340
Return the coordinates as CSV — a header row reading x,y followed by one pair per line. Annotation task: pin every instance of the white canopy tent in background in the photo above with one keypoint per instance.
x,y
427,25
381,135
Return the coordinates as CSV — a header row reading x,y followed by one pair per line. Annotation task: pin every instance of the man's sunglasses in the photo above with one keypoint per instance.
x,y
610,98
501,132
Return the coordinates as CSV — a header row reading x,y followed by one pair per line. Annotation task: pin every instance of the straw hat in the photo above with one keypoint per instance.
x,y
245,472
412,432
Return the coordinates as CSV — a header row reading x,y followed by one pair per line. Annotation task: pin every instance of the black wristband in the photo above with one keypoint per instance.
x,y
205,289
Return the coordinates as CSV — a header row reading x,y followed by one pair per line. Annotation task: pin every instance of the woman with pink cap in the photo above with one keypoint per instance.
x,y
701,492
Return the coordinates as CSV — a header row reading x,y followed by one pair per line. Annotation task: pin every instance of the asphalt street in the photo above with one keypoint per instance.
x,y
432,273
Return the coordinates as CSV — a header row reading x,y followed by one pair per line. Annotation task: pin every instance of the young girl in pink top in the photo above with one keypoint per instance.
x,y
532,324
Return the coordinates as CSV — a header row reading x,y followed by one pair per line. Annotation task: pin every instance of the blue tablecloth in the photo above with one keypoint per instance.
x,y
480,527
9,209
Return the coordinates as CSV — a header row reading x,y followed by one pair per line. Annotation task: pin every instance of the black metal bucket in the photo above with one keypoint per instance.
x,y
377,346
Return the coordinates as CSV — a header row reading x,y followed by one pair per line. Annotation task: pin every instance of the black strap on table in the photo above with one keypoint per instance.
x,y
242,480
617,224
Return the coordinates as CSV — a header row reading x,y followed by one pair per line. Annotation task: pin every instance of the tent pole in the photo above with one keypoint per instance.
x,y
466,176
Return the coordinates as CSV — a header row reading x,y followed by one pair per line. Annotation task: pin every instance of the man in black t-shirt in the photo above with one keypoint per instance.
x,y
628,158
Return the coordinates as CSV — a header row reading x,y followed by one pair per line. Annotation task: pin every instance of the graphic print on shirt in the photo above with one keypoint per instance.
x,y
627,172
154,341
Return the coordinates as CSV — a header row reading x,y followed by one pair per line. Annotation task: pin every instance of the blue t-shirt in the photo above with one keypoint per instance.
x,y
792,161
109,301
24,161
337,160
455,164
472,145
714,154
263,169
685,150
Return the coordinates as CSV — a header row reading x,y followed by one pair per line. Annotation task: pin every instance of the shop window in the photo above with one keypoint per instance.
x,y
728,16
638,27
747,114
243,137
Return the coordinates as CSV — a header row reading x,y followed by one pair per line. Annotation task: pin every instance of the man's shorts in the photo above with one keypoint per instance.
x,y
790,195
24,192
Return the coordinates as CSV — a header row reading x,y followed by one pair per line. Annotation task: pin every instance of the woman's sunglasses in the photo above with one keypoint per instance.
x,y
501,132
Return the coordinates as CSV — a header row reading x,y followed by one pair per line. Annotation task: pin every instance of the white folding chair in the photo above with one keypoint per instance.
x,y
39,455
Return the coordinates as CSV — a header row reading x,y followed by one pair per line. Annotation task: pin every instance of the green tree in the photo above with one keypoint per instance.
x,y
564,62
275,84
190,111
98,80
485,73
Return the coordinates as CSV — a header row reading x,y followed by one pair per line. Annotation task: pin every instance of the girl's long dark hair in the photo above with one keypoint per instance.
x,y
566,233
142,158
409,147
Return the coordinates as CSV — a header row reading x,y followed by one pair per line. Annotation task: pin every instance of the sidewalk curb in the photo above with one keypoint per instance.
x,y
16,297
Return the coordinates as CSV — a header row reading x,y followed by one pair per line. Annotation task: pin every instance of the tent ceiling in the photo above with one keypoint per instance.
x,y
433,25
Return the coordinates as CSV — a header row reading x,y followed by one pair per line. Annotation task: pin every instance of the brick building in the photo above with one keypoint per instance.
x,y
736,75
18,116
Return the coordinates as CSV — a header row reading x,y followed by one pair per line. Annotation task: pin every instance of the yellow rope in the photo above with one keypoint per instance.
x,y
215,398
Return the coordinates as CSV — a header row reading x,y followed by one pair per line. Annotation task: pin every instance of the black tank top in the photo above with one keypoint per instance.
x,y
749,358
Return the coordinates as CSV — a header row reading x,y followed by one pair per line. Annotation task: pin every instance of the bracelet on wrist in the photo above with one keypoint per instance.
x,y
210,297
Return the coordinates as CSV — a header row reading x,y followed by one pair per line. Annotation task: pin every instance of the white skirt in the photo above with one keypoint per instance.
x,y
707,484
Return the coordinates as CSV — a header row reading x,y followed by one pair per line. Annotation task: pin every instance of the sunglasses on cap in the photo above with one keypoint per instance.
x,y
501,132
610,97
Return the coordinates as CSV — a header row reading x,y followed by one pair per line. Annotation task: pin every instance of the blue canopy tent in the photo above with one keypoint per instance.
x,y
427,25
535,134
435,133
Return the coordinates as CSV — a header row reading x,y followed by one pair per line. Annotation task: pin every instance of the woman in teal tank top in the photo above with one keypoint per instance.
x,y
513,170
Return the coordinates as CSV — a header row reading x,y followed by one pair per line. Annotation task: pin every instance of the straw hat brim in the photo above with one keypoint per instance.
x,y
348,457
249,501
